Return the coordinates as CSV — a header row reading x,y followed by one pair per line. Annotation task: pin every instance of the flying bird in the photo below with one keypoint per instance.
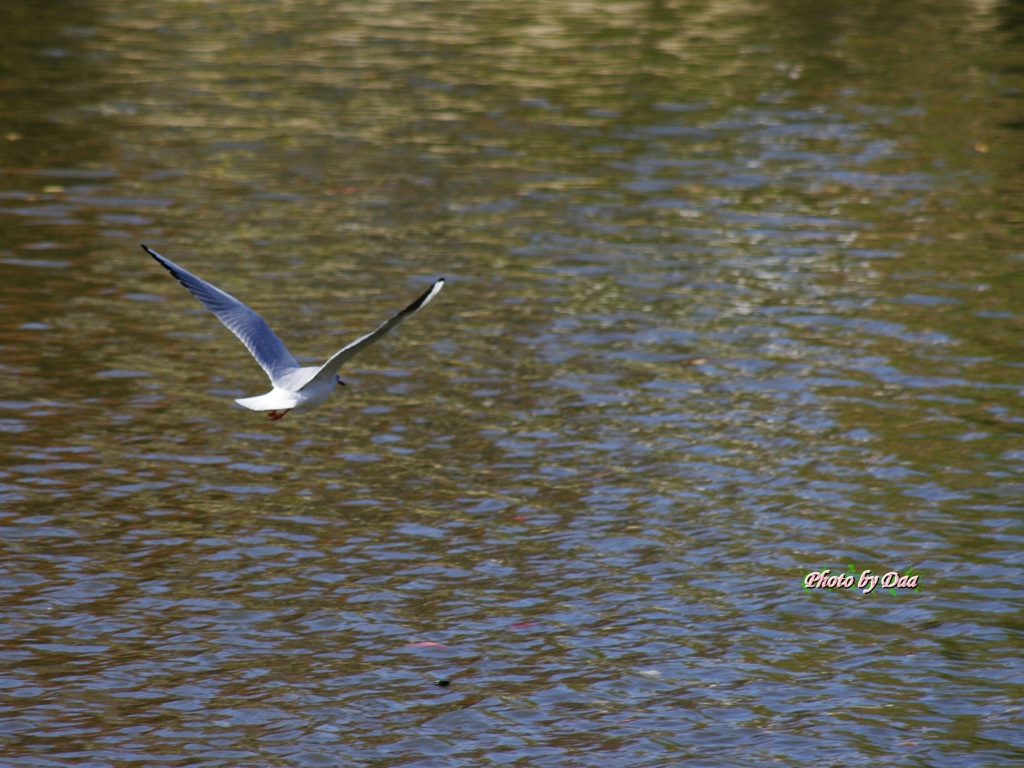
x,y
295,388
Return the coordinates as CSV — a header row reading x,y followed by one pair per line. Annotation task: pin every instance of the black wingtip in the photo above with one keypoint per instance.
x,y
159,259
174,269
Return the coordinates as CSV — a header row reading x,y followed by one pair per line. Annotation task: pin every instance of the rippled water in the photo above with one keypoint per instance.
x,y
734,297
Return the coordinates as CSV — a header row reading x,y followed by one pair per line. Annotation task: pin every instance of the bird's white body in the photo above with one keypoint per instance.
x,y
296,388
287,399
293,392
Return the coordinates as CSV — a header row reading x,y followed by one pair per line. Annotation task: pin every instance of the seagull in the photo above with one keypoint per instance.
x,y
295,387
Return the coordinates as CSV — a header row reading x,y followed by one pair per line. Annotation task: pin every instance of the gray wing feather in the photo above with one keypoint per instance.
x,y
331,367
251,329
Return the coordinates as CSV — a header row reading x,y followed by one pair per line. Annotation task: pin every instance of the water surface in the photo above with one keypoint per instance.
x,y
734,296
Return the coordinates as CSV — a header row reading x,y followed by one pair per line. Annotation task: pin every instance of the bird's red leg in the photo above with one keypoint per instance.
x,y
276,415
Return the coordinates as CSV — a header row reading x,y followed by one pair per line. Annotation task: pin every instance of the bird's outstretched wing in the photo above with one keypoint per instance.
x,y
331,367
251,329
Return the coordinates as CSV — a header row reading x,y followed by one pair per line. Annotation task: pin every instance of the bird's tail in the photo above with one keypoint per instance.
x,y
272,401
